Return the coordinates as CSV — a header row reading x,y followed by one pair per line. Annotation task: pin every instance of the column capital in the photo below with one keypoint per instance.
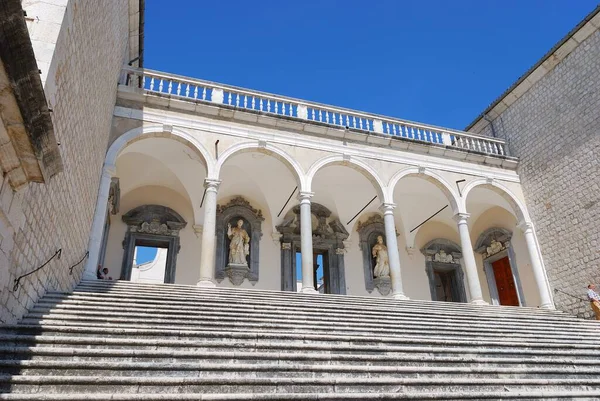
x,y
305,196
525,226
387,207
461,217
211,183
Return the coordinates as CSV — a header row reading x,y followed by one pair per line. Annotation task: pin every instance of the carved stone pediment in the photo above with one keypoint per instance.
x,y
493,241
374,219
442,251
242,202
154,219
326,228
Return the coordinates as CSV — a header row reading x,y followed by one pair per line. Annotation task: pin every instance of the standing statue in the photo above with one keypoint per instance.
x,y
239,247
382,266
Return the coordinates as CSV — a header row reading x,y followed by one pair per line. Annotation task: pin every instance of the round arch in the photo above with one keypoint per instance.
x,y
353,163
268,149
517,206
429,176
141,132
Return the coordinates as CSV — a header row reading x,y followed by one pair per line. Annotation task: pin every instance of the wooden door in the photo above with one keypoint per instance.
x,y
505,283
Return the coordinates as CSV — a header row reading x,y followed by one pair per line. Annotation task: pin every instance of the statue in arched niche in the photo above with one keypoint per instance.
x,y
239,247
382,266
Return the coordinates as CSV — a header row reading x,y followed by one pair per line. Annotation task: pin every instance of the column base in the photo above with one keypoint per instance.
x,y
308,290
548,307
480,302
400,297
206,284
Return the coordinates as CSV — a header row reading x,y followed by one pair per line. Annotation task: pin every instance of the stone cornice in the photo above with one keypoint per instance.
x,y
285,136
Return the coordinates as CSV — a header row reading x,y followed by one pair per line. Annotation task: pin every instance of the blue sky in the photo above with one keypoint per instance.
x,y
439,62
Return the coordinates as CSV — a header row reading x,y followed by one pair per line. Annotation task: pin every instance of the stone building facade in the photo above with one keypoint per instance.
x,y
80,47
551,121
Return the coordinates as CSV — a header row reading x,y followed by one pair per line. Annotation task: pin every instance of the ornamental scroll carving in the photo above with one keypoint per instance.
x,y
493,241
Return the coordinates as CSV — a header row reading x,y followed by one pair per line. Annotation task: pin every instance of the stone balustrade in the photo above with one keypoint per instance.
x,y
197,90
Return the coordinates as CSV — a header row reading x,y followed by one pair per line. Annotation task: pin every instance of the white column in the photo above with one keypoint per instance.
x,y
469,259
207,256
97,230
536,265
306,246
392,247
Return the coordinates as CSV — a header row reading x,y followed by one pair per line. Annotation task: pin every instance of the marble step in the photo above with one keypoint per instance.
x,y
240,321
219,310
535,394
273,369
364,356
490,313
286,296
314,301
191,322
165,384
216,340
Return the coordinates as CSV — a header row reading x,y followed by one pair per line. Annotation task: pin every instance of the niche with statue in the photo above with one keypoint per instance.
x,y
374,250
239,230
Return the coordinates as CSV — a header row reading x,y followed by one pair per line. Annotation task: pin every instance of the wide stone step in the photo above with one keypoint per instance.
x,y
535,394
366,356
191,322
317,300
273,342
126,384
132,308
250,370
313,301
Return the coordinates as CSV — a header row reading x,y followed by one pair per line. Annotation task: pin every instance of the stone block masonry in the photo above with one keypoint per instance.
x,y
81,88
554,128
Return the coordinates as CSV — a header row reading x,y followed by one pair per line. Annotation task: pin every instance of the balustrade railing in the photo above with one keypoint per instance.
x,y
198,90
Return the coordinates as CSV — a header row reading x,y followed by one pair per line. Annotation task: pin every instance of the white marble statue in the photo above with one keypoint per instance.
x,y
239,247
382,266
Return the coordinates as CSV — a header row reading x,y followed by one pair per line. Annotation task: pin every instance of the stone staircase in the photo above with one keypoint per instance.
x,y
125,341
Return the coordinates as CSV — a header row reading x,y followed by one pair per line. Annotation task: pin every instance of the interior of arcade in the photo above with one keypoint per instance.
x,y
261,188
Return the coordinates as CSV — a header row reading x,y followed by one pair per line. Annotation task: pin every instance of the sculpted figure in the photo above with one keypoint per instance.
x,y
382,266
239,247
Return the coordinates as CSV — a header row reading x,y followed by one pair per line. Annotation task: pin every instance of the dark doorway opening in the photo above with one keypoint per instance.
x,y
445,286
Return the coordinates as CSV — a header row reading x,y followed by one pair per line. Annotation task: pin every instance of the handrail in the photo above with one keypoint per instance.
x,y
18,279
199,90
87,253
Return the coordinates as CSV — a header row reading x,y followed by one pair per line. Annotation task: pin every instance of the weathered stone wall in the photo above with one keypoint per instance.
x,y
554,129
81,89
